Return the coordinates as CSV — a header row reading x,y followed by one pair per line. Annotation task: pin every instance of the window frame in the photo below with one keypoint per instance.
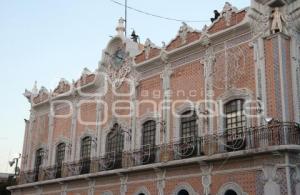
x,y
188,126
38,162
60,158
234,112
85,154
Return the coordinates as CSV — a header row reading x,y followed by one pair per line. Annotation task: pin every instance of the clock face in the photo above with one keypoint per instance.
x,y
118,58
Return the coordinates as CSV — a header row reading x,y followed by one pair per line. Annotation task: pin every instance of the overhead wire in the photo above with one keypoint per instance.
x,y
158,16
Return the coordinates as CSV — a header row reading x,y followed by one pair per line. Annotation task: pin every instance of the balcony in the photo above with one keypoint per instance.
x,y
249,139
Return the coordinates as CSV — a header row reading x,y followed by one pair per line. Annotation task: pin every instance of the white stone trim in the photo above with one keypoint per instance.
x,y
230,95
35,148
143,190
151,116
106,130
58,141
231,186
107,193
187,106
184,186
285,111
295,61
74,130
87,133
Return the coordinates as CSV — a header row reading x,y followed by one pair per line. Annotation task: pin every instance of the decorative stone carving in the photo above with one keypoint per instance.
x,y
121,27
50,172
277,19
63,86
74,168
107,193
142,190
92,185
184,186
160,181
227,12
204,36
206,178
147,47
232,186
208,61
271,178
164,56
31,94
183,32
117,76
167,72
64,189
123,187
292,21
296,178
260,22
29,176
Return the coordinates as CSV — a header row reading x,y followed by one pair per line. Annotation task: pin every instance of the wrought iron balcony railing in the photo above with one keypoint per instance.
x,y
277,134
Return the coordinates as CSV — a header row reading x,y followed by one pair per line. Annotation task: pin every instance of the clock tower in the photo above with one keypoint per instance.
x,y
117,58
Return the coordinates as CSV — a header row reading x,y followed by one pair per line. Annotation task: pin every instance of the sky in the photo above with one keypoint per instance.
x,y
46,40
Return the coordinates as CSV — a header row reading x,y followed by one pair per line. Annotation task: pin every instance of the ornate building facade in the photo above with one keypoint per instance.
x,y
213,112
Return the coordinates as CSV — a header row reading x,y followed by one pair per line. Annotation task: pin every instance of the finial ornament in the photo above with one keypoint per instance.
x,y
121,27
35,89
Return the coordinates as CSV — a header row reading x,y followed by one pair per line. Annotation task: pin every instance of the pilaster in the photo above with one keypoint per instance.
x,y
160,181
50,135
166,76
208,62
73,129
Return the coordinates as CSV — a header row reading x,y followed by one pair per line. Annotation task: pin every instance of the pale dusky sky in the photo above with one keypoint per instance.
x,y
46,40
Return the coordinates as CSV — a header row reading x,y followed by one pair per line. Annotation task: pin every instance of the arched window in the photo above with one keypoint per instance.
x,y
38,162
188,134
235,122
183,192
115,146
189,127
85,154
60,157
148,142
230,192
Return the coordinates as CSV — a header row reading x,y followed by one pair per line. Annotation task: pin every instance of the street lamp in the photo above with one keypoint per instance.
x,y
16,162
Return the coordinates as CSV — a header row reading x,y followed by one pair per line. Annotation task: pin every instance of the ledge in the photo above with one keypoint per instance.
x,y
160,165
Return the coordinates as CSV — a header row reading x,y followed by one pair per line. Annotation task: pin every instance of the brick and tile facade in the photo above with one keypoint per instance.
x,y
238,80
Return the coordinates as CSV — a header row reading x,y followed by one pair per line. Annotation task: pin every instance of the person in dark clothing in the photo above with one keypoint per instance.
x,y
217,15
